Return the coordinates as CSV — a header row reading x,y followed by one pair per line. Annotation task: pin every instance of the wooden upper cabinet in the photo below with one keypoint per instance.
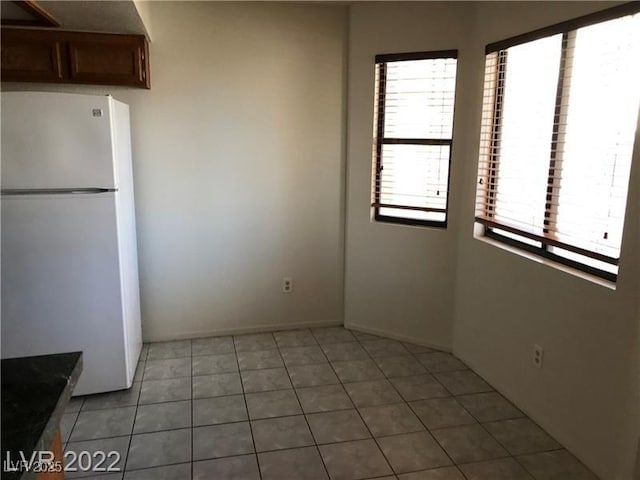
x,y
29,59
116,60
74,57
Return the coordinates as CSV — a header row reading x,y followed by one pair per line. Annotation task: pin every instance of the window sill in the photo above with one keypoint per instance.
x,y
401,222
545,261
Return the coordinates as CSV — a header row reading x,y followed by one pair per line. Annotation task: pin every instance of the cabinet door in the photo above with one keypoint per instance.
x,y
111,60
30,58
74,57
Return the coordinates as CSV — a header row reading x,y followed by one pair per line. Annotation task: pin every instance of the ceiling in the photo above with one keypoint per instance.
x,y
96,16
11,11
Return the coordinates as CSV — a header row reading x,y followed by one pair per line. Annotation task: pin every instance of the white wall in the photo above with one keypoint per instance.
x,y
445,287
399,279
239,166
505,303
143,7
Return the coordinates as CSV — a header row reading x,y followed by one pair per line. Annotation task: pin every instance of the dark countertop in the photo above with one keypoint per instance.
x,y
35,392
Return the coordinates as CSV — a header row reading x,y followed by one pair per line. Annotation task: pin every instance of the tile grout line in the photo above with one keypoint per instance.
x,y
478,422
74,424
246,406
524,417
135,414
191,398
428,430
290,416
295,392
401,397
453,396
140,360
358,411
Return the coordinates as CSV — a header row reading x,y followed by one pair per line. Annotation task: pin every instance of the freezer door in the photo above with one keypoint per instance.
x,y
56,140
61,288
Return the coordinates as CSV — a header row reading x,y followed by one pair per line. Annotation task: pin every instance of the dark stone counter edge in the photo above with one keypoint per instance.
x,y
53,424
50,430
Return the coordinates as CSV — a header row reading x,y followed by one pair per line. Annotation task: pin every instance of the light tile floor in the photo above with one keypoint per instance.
x,y
310,404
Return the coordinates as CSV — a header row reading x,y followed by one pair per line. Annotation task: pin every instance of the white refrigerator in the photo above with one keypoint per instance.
x,y
69,260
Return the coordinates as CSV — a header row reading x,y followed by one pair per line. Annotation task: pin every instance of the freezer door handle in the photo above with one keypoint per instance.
x,y
57,191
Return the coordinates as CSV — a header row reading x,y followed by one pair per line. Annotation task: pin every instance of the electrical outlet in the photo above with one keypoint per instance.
x,y
538,355
287,285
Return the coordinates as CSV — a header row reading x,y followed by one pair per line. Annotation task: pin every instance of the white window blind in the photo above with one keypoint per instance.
x,y
558,127
413,135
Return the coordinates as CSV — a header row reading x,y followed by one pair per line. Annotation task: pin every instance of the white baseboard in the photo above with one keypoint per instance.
x,y
238,331
395,336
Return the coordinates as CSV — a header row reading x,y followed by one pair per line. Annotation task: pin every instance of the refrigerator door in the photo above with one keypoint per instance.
x,y
61,288
56,140
127,233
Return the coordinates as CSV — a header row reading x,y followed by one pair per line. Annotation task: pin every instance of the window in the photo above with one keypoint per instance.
x,y
412,137
558,125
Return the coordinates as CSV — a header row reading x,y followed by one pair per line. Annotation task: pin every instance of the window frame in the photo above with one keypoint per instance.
x,y
380,140
568,31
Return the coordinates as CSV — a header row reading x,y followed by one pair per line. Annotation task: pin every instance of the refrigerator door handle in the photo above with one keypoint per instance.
x,y
56,191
